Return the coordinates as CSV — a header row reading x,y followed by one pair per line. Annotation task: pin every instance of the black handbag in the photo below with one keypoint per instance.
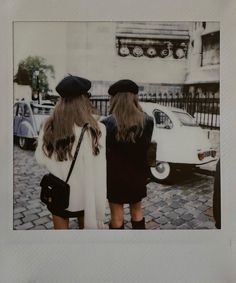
x,y
55,192
151,154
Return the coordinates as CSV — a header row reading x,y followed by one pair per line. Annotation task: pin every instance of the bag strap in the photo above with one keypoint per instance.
x,y
76,151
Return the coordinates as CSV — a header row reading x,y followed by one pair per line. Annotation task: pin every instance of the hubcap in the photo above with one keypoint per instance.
x,y
161,171
160,168
22,142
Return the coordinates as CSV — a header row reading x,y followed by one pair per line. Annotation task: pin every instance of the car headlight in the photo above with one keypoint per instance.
x,y
201,156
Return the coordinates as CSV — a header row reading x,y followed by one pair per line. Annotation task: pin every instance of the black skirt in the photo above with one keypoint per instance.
x,y
126,174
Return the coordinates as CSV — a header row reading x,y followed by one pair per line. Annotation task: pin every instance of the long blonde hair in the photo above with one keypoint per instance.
x,y
59,133
128,115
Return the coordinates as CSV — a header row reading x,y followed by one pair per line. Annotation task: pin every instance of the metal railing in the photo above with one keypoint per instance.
x,y
101,104
205,109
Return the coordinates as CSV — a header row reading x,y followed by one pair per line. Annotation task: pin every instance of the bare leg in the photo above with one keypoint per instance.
x,y
60,223
136,211
137,219
117,215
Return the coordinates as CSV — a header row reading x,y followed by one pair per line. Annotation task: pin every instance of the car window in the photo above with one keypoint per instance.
x,y
20,111
185,118
162,120
26,111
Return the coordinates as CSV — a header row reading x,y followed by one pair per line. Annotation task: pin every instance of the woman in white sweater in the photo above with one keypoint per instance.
x,y
57,142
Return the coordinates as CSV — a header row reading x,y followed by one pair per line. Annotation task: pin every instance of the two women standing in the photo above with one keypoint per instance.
x,y
123,143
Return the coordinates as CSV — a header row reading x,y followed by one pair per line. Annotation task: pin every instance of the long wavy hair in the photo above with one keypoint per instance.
x,y
59,133
129,116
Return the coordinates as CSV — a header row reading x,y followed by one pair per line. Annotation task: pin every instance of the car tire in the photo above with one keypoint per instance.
x,y
163,172
23,142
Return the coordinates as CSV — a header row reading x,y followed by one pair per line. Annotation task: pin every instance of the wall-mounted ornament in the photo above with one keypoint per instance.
x,y
179,53
151,52
124,51
152,48
138,51
164,52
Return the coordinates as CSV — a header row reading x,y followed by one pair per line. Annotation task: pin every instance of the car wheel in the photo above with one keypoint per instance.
x,y
162,172
23,142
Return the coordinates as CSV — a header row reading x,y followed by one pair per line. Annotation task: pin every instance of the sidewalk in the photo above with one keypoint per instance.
x,y
186,204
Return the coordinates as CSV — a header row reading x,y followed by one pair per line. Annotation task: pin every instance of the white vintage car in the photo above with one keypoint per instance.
x,y
181,143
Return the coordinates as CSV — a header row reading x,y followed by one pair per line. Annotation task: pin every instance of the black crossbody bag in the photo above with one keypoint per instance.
x,y
55,192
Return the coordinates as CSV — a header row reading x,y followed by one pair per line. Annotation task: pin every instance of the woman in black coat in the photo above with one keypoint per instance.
x,y
129,132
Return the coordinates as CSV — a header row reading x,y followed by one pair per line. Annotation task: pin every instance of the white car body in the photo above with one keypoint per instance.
x,y
179,143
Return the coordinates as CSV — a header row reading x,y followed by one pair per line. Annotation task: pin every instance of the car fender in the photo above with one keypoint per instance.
x,y
26,130
180,146
168,148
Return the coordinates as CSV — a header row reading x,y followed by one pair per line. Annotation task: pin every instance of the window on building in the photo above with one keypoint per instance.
x,y
211,49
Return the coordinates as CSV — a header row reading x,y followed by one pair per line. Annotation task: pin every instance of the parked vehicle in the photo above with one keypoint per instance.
x,y
47,102
181,143
27,120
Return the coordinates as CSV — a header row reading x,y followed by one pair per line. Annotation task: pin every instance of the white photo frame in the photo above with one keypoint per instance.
x,y
118,256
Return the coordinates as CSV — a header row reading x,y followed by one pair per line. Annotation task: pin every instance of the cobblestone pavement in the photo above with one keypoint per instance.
x,y
187,204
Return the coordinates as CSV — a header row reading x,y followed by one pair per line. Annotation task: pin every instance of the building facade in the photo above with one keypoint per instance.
x,y
203,73
162,57
153,54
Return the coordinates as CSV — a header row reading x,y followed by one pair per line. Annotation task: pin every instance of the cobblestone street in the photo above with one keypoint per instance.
x,y
187,204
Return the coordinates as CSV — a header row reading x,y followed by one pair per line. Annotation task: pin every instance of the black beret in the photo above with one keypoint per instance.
x,y
123,86
72,86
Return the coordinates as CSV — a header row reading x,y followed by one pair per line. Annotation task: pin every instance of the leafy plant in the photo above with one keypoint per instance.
x,y
34,71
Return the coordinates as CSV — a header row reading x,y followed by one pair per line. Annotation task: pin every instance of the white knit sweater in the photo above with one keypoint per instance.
x,y
88,179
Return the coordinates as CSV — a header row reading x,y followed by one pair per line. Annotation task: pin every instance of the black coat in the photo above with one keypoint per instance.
x,y
127,169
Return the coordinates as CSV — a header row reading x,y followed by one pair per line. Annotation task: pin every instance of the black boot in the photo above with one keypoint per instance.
x,y
138,225
122,227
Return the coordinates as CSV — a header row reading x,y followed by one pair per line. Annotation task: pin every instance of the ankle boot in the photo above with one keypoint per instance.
x,y
138,225
122,227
